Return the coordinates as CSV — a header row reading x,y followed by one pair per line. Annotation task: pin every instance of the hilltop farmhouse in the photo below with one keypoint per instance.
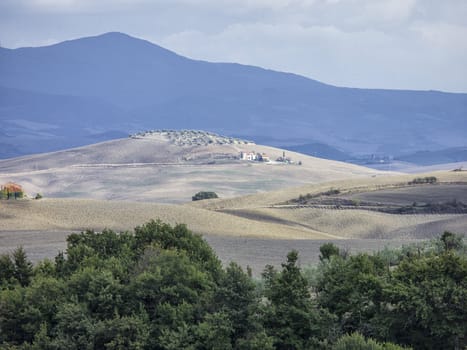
x,y
251,156
263,157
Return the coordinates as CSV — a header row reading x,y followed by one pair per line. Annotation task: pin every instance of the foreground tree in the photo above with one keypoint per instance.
x,y
290,316
352,290
163,287
356,341
428,297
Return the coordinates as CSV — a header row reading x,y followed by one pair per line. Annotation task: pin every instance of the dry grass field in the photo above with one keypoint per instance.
x,y
351,185
124,183
157,170
360,223
252,229
80,214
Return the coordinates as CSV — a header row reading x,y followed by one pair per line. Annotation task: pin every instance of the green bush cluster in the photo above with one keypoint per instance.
x,y
423,180
162,287
450,207
303,199
5,194
204,195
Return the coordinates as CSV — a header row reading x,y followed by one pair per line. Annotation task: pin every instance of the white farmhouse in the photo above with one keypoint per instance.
x,y
248,156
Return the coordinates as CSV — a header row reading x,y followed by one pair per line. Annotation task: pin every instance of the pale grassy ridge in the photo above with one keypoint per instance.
x,y
353,223
204,217
156,170
78,215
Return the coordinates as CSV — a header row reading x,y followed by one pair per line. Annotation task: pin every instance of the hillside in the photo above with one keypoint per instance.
x,y
92,89
444,156
168,167
358,221
239,228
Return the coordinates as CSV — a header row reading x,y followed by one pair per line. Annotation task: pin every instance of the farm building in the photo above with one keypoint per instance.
x,y
11,190
262,157
248,156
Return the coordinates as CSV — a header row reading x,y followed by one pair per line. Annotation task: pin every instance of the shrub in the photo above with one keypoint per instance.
x,y
356,341
423,180
327,250
204,195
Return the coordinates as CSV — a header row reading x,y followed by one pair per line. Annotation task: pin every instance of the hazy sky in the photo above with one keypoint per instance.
x,y
403,44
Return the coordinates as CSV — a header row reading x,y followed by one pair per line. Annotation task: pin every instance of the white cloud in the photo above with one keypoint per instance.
x,y
390,9
443,35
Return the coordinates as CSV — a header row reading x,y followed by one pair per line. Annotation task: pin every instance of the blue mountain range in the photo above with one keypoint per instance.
x,y
96,88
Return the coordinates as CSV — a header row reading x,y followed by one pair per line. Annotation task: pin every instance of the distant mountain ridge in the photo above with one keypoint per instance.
x,y
450,155
86,90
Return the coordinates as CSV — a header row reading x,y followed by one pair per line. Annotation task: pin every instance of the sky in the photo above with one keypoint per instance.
x,y
391,44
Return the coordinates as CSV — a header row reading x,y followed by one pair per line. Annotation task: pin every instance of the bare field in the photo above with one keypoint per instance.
x,y
77,214
358,223
420,193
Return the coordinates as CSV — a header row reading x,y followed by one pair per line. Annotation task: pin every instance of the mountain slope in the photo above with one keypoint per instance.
x,y
126,84
450,155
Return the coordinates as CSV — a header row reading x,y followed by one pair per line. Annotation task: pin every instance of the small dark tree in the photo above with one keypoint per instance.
x,y
204,195
451,240
327,250
7,268
291,319
23,267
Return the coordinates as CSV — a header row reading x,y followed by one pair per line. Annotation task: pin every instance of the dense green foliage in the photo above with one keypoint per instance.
x,y
163,287
6,194
204,195
356,341
303,199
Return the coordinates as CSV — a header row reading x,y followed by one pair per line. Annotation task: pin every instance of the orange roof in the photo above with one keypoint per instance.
x,y
12,187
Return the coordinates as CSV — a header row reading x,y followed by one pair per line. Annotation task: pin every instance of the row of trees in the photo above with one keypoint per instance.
x,y
204,195
423,180
163,287
6,193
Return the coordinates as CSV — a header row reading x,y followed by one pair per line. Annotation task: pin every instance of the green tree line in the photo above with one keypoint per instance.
x,y
162,287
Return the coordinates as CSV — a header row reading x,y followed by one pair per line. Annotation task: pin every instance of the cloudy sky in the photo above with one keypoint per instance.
x,y
401,44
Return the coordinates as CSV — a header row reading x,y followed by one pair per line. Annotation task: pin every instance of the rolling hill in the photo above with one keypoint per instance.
x,y
254,230
92,89
168,167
